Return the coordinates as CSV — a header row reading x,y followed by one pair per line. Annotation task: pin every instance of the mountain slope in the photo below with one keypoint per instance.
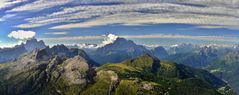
x,y
147,75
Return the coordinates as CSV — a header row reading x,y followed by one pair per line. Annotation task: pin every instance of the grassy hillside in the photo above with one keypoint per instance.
x,y
146,75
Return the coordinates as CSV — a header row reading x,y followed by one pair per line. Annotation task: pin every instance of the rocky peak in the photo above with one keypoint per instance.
x,y
33,44
60,51
121,44
60,48
160,52
208,51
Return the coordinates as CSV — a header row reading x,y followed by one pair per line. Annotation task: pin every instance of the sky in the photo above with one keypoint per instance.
x,y
147,22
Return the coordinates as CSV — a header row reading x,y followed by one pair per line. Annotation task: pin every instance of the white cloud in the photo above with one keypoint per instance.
x,y
11,44
22,35
56,33
40,5
110,38
107,39
7,45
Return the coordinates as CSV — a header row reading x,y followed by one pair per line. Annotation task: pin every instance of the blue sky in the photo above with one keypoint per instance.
x,y
149,22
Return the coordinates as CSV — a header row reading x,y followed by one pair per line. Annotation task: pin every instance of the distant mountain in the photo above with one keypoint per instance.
x,y
121,49
221,61
33,44
183,48
121,45
226,67
160,52
9,54
144,75
200,58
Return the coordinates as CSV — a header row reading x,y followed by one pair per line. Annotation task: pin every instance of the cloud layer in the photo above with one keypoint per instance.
x,y
22,35
90,13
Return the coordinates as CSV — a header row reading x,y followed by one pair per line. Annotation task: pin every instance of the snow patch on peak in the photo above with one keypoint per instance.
x,y
110,38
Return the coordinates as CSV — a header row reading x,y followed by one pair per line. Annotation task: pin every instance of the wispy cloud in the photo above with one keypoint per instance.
x,y
40,5
10,3
56,33
205,38
73,38
138,14
6,17
163,36
203,13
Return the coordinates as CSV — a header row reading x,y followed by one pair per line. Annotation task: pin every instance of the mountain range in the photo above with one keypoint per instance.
x,y
72,72
36,69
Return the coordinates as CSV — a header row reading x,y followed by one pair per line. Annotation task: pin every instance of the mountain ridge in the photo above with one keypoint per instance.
x,y
10,54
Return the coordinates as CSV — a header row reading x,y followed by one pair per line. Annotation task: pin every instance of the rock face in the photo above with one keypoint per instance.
x,y
120,50
10,54
75,70
33,44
